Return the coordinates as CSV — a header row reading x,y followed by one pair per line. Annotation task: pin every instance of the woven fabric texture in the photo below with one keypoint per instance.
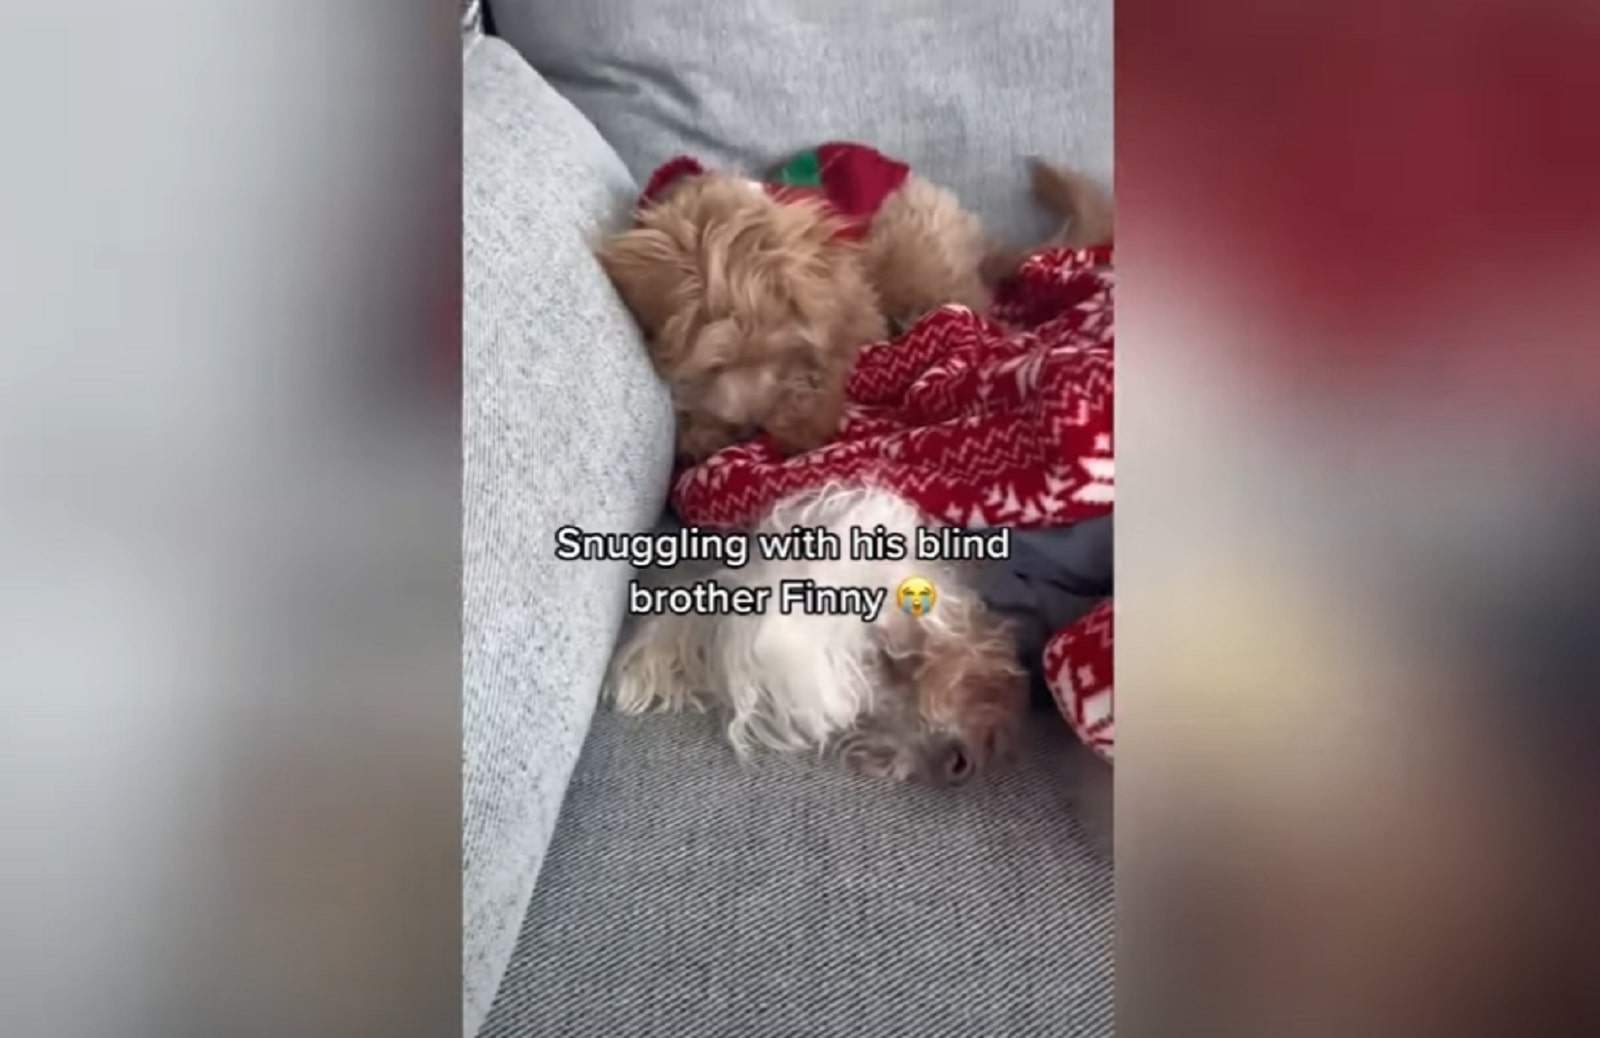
x,y
688,896
962,90
563,421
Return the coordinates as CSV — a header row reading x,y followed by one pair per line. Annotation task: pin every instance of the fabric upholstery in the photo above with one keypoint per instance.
x,y
961,90
563,422
687,895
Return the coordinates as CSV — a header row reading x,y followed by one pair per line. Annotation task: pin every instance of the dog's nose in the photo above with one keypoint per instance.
x,y
955,764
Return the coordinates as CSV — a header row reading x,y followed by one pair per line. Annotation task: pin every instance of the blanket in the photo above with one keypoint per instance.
x,y
981,420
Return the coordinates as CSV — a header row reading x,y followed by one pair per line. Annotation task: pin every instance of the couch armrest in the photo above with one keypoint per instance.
x,y
563,422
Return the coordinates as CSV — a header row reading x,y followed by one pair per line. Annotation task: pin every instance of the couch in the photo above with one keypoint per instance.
x,y
629,876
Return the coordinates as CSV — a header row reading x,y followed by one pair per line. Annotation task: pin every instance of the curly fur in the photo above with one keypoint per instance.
x,y
936,697
923,251
753,310
1084,208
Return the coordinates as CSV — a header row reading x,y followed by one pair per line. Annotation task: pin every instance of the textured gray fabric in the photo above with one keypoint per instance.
x,y
961,89
687,896
563,422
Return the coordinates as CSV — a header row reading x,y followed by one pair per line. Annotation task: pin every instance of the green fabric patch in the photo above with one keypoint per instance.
x,y
804,170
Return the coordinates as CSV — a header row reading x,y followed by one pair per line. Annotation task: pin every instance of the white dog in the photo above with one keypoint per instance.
x,y
935,697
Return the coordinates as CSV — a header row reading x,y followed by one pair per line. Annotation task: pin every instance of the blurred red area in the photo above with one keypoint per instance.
x,y
1365,168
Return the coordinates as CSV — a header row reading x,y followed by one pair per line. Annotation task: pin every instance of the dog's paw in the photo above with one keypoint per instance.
x,y
647,672
628,694
879,758
872,763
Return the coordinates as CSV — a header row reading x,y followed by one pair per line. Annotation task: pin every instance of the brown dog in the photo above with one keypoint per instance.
x,y
753,310
753,305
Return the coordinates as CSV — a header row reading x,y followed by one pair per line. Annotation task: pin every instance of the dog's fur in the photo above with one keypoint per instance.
x,y
923,250
934,698
754,309
1083,207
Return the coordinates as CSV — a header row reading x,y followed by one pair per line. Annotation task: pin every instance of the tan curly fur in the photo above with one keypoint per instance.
x,y
1083,207
923,251
753,310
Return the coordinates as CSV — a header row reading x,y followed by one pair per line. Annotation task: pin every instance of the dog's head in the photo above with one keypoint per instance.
x,y
736,292
956,697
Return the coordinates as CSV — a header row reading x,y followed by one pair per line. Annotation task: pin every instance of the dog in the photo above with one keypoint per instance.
x,y
936,697
754,304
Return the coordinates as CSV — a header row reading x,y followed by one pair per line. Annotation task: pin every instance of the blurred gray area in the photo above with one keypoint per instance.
x,y
229,526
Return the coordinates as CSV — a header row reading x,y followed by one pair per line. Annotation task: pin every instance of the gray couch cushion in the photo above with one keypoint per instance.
x,y
563,422
687,896
961,89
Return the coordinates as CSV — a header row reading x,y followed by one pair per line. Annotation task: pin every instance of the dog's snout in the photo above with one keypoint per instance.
x,y
737,395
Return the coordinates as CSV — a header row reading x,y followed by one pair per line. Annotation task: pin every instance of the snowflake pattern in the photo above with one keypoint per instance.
x,y
998,419
981,420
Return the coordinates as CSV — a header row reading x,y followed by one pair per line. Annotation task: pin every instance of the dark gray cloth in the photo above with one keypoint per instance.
x,y
1051,578
688,896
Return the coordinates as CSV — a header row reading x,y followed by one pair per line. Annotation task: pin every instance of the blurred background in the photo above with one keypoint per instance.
x,y
1358,586
1359,591
229,520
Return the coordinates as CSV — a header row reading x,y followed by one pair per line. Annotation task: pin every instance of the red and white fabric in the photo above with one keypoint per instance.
x,y
1002,419
1077,668
978,421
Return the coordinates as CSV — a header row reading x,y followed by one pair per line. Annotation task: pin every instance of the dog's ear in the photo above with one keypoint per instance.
x,y
651,271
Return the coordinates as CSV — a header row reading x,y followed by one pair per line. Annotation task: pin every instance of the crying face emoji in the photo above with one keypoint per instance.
x,y
916,596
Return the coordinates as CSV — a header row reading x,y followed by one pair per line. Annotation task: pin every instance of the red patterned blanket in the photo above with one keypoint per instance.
x,y
1002,419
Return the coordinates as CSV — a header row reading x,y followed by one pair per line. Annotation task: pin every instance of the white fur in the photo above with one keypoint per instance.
x,y
792,681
